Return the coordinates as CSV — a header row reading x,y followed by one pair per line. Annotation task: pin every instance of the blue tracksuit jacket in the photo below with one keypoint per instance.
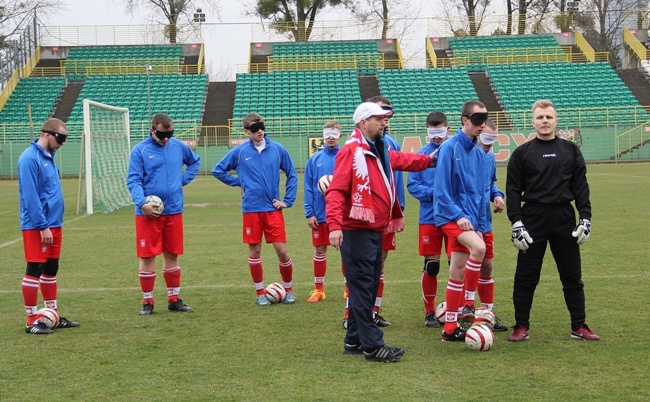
x,y
460,182
320,164
398,176
420,186
258,174
39,190
491,189
158,170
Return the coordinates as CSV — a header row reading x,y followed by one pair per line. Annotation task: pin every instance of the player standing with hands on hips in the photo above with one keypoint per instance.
x,y
361,205
258,163
546,174
41,221
156,168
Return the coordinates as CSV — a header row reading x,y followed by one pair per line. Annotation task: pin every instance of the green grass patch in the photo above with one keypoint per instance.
x,y
231,349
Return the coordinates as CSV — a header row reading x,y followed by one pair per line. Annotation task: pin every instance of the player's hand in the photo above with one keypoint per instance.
x,y
279,204
498,205
434,158
46,237
336,238
520,236
149,211
312,222
582,231
465,224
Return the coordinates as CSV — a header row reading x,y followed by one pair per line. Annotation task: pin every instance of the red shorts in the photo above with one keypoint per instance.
x,y
452,231
155,235
430,240
35,251
388,241
488,238
269,223
321,235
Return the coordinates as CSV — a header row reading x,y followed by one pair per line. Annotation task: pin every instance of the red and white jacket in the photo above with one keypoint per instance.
x,y
339,194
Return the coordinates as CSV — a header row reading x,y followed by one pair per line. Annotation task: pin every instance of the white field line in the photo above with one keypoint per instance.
x,y
14,241
307,284
619,175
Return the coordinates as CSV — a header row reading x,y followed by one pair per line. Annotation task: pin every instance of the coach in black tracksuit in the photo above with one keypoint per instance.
x,y
546,174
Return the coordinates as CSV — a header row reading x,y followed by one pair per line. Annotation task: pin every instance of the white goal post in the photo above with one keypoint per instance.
x,y
105,158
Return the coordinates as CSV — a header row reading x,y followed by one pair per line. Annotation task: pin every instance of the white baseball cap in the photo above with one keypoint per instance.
x,y
368,109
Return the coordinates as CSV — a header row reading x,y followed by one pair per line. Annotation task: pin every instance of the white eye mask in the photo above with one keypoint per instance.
x,y
487,138
331,132
440,132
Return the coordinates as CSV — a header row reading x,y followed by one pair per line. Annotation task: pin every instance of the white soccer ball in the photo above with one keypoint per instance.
x,y
479,337
275,292
485,317
48,316
159,207
441,311
324,183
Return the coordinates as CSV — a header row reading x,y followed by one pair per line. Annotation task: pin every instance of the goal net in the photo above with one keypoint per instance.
x,y
105,159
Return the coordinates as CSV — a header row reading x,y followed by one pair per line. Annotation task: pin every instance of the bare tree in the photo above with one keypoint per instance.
x,y
14,13
509,11
601,22
390,13
474,10
295,17
172,10
523,11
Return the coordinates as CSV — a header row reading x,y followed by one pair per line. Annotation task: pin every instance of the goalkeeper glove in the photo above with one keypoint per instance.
x,y
582,231
520,237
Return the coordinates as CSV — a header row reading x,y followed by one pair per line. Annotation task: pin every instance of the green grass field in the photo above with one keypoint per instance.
x,y
231,349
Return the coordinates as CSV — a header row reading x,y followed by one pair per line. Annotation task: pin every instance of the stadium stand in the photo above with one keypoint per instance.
x,y
84,59
477,52
285,94
40,93
180,96
568,85
420,91
361,55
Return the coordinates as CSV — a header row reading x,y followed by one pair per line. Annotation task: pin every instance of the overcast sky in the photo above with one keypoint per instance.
x,y
226,42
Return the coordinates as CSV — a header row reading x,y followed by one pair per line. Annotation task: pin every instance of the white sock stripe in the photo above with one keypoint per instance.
x,y
30,284
49,280
320,257
485,281
286,263
172,269
147,274
473,268
455,287
319,279
27,280
254,261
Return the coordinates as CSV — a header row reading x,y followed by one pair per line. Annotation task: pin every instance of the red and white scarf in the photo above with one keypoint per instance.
x,y
361,192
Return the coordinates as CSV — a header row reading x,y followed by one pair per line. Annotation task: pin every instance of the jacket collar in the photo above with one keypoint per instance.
x,y
464,139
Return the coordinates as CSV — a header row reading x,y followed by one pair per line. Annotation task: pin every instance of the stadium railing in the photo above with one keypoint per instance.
x,y
632,139
633,43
